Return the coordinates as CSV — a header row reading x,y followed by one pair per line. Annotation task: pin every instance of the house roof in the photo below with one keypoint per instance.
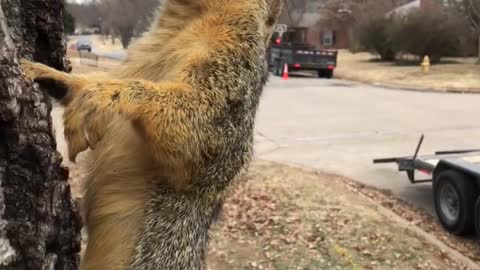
x,y
404,9
309,19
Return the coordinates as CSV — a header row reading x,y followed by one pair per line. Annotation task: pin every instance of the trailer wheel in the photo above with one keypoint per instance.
x,y
455,197
477,217
321,73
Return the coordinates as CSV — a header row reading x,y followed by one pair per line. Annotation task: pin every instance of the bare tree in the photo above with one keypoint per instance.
x,y
85,14
127,17
471,9
146,13
343,11
297,10
473,13
39,225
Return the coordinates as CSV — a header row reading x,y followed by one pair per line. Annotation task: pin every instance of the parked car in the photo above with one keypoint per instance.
x,y
84,46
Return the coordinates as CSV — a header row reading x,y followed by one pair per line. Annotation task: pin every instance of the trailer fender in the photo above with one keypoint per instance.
x,y
459,166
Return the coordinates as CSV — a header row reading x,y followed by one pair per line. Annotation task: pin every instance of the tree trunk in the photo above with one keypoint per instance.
x,y
39,225
126,34
478,60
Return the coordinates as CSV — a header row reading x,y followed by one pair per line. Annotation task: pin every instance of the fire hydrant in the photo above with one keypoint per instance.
x,y
426,64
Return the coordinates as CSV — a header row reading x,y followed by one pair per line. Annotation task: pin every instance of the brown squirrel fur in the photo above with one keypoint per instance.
x,y
169,130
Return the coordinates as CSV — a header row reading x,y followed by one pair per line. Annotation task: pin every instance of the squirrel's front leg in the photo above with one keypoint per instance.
x,y
174,119
83,123
88,115
164,113
85,118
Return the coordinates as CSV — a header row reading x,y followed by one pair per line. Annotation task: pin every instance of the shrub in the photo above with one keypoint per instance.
x,y
373,35
436,34
469,44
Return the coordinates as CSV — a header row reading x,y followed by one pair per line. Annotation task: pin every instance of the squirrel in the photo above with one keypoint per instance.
x,y
169,130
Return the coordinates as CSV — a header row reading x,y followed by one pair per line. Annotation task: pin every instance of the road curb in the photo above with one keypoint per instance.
x,y
426,90
411,88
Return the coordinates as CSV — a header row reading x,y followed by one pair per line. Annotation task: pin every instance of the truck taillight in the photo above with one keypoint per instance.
x,y
297,66
278,41
331,67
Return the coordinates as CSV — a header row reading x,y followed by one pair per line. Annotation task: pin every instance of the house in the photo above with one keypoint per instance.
x,y
326,35
321,34
309,30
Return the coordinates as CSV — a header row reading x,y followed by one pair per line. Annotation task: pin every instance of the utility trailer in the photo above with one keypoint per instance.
x,y
302,57
292,48
455,176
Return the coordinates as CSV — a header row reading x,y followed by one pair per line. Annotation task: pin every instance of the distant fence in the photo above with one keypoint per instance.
x,y
88,58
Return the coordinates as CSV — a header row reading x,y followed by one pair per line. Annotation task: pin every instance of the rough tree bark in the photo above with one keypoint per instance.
x,y
478,55
39,225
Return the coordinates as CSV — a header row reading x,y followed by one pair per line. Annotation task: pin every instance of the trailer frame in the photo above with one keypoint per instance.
x,y
455,177
410,164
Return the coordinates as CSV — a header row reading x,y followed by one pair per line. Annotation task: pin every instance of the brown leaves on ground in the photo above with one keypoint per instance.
x,y
467,247
279,217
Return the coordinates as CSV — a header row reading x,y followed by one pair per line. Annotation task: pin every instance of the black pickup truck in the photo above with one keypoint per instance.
x,y
302,57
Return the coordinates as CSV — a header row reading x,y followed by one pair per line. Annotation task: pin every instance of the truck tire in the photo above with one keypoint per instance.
x,y
455,197
477,217
321,73
329,74
325,73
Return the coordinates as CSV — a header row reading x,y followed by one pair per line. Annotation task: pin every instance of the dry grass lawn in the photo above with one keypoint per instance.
x,y
457,75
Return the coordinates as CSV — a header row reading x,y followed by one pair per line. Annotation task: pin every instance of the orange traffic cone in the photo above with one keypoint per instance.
x,y
285,72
